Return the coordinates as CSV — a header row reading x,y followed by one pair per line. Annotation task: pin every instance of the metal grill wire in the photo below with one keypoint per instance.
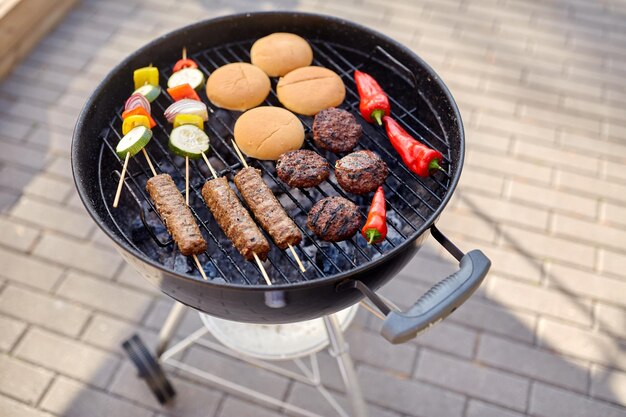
x,y
410,199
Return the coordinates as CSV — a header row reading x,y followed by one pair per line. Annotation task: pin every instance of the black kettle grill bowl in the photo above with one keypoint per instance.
x,y
337,274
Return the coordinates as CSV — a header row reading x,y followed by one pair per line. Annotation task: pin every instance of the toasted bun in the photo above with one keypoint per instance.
x,y
279,53
310,90
268,132
238,86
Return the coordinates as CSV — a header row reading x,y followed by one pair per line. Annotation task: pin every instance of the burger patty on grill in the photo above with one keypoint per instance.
x,y
267,209
361,172
336,130
181,224
302,168
334,219
234,219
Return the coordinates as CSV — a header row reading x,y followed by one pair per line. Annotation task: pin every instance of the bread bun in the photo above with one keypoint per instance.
x,y
279,53
268,132
238,86
310,90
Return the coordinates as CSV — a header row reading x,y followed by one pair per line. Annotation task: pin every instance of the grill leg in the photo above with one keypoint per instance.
x,y
169,327
339,349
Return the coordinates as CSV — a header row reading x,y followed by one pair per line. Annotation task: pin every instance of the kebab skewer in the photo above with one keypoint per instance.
x,y
267,209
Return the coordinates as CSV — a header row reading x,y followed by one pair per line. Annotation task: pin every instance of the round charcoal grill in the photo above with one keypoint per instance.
x,y
338,274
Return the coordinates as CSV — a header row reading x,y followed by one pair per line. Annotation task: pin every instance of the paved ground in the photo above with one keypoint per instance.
x,y
542,92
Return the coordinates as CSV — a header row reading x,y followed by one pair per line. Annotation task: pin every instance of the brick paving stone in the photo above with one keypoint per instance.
x,y
130,277
500,210
53,217
43,310
72,399
7,199
49,188
60,166
73,252
161,308
192,400
23,155
234,407
556,200
28,270
540,300
10,128
615,171
546,247
589,186
587,284
598,234
547,401
67,356
411,397
374,350
307,397
11,330
478,408
9,407
237,371
576,342
508,166
15,178
482,182
22,381
16,235
613,262
109,333
611,319
478,381
105,296
615,214
608,384
532,362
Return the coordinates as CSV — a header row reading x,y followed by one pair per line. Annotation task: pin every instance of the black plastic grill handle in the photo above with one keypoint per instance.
x,y
438,302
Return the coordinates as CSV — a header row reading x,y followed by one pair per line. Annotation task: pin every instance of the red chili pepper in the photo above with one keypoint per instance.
x,y
139,111
184,63
183,91
375,228
418,157
374,102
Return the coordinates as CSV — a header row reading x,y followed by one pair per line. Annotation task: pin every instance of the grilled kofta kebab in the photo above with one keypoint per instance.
x,y
234,219
267,209
170,205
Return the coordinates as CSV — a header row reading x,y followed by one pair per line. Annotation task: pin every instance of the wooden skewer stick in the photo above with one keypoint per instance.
x,y
241,158
262,268
119,185
149,162
297,258
199,265
209,165
245,164
184,52
187,180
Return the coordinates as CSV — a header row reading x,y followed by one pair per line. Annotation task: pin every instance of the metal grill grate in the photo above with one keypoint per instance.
x,y
411,200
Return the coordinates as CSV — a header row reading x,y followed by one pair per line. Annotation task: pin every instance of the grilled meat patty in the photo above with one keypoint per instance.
x,y
361,172
336,130
334,219
302,168
234,219
267,209
181,224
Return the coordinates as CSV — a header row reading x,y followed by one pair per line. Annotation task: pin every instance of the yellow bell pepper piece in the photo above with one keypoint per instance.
x,y
146,75
188,119
133,121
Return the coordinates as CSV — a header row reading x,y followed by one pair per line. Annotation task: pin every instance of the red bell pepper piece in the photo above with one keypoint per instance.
x,y
183,91
141,112
418,157
184,63
374,102
375,228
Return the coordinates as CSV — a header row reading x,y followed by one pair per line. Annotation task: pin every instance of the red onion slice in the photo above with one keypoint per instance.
x,y
137,100
187,106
